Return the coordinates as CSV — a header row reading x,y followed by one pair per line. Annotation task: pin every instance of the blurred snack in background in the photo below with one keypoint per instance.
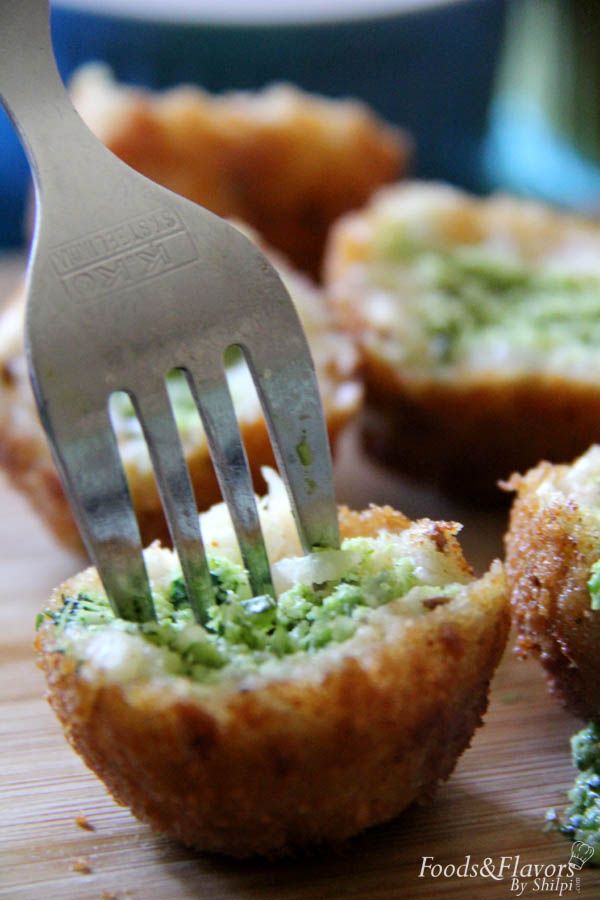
x,y
25,456
479,325
286,162
544,138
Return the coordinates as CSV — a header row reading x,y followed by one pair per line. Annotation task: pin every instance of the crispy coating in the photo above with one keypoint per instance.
x,y
464,437
462,428
551,545
285,162
349,741
25,456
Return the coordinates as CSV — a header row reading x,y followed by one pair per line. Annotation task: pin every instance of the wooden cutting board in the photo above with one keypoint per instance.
x,y
492,807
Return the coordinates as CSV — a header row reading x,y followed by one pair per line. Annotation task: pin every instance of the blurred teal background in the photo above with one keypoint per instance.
x,y
430,71
544,136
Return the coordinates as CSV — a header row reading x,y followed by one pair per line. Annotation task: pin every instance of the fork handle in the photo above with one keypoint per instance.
x,y
33,93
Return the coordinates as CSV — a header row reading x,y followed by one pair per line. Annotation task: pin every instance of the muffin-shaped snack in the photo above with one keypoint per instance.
x,y
25,456
282,724
284,161
553,570
479,321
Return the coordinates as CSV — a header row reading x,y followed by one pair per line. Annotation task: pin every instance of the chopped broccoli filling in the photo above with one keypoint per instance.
x,y
468,294
582,821
594,585
246,630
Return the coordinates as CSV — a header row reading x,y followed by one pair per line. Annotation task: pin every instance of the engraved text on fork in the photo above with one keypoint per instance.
x,y
125,255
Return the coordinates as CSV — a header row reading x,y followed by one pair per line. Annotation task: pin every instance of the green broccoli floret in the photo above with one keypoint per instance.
x,y
585,746
582,816
82,608
594,585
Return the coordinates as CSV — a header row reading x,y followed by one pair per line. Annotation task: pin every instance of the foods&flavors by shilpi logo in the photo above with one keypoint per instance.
x,y
521,878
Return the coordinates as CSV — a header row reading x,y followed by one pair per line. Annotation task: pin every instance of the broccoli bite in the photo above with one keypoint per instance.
x,y
288,722
478,320
552,562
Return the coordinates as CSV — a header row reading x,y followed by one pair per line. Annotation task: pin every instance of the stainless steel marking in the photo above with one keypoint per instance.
x,y
126,270
107,243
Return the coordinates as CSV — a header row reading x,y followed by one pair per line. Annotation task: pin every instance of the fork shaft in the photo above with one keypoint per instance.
x,y
95,484
233,473
288,389
177,494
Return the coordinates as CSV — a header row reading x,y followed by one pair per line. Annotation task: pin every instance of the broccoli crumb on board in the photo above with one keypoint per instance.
x,y
581,820
82,866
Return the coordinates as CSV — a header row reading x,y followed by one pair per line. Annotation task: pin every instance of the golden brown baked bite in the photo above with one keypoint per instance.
x,y
283,723
553,571
479,323
26,458
286,162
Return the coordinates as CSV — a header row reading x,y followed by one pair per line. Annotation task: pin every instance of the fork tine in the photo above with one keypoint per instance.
x,y
233,473
285,379
87,456
156,417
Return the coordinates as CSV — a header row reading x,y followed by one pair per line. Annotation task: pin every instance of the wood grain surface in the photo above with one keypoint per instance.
x,y
493,805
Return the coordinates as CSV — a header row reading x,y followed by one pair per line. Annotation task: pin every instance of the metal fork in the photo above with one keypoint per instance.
x,y
126,282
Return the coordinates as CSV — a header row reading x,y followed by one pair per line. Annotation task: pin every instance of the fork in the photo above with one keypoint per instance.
x,y
126,283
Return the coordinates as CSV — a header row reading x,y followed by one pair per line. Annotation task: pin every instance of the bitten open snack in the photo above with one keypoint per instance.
x,y
286,162
479,322
281,724
553,570
25,456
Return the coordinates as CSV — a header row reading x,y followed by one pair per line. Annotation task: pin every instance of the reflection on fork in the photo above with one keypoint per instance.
x,y
127,281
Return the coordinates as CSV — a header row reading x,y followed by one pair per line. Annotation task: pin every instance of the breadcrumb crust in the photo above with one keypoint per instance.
x,y
301,760
550,548
464,437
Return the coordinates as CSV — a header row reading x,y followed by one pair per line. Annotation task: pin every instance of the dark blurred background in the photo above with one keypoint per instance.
x,y
428,66
498,94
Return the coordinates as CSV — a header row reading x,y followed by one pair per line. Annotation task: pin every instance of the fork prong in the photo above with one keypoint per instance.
x,y
156,417
233,473
287,385
87,456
